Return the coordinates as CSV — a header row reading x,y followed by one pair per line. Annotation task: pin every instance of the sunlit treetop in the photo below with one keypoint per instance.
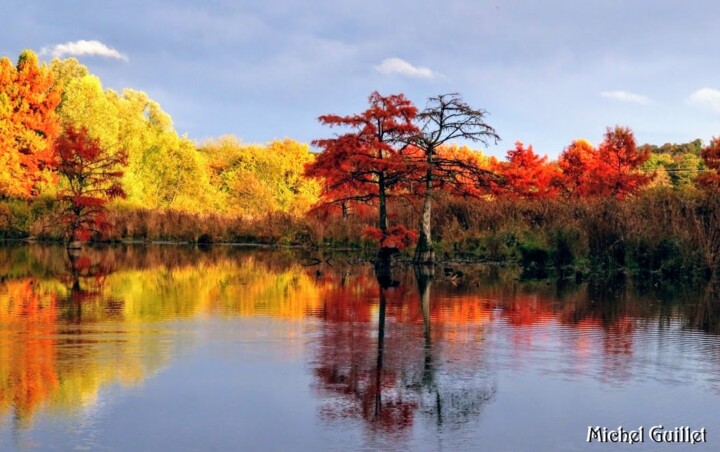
x,y
28,125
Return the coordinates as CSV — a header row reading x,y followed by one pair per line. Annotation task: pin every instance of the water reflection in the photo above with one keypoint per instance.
x,y
387,351
386,373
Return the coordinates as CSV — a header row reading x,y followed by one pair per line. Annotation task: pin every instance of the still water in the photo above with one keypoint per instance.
x,y
173,348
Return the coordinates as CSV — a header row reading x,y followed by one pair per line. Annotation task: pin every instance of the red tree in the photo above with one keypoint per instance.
x,y
527,175
367,163
576,163
611,170
618,162
710,181
92,175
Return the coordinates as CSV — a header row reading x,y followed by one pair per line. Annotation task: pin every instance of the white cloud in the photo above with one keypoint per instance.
x,y
399,66
81,48
707,97
626,96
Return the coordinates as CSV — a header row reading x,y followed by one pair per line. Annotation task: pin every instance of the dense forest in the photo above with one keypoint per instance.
x,y
83,163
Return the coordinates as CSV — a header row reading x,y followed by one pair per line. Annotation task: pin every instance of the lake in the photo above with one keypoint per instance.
x,y
164,347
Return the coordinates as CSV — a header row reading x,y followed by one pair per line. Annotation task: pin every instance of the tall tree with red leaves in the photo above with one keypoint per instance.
x,y
92,175
367,163
618,164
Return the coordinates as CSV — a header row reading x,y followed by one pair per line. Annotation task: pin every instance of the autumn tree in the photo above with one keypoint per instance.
x,y
576,163
28,125
366,163
613,169
164,170
257,179
619,163
685,169
446,118
710,180
527,175
92,174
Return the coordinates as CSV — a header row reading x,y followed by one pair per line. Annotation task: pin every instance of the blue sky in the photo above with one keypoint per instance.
x,y
548,71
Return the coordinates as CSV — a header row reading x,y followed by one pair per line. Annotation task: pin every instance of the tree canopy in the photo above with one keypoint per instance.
x,y
28,125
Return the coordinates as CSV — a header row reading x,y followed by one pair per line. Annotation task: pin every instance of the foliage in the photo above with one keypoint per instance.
x,y
576,163
376,179
28,125
367,163
710,181
526,174
619,159
92,174
164,170
613,169
254,180
397,237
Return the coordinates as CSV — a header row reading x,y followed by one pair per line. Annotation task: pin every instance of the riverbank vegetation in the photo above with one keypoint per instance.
x,y
81,162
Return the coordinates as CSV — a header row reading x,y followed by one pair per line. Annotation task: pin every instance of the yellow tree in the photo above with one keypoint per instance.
x,y
256,179
164,170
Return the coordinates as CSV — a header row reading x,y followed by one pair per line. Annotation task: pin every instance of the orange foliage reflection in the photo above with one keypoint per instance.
x,y
27,366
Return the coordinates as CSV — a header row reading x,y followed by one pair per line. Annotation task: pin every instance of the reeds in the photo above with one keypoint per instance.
x,y
665,233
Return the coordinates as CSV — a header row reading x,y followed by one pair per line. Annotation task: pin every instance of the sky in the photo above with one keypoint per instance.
x,y
547,71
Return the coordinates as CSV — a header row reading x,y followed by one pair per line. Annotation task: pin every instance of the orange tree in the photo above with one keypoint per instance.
x,y
527,175
28,125
92,176
576,162
619,163
367,163
613,169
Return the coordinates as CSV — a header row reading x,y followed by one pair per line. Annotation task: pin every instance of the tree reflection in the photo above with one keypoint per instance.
x,y
49,359
351,368
388,381
28,370
396,346
704,313
452,400
87,272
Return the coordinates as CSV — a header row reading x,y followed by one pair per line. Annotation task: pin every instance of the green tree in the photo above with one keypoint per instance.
x,y
685,169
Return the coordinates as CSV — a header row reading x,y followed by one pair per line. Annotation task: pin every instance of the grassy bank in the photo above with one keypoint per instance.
x,y
666,234
663,233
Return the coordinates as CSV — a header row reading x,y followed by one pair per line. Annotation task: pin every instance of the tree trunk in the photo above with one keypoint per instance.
x,y
424,253
384,254
382,205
